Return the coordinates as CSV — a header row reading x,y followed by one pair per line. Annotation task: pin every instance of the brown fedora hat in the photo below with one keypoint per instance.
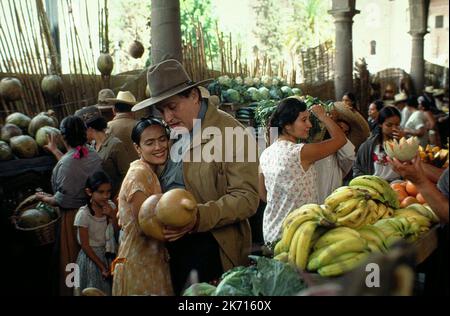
x,y
166,79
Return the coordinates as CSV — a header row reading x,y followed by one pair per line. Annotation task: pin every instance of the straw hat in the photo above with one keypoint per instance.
x,y
166,79
429,89
123,97
359,128
400,97
438,92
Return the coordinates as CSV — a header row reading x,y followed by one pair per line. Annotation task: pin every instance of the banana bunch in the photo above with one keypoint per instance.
x,y
379,188
394,229
420,219
356,206
434,155
337,251
300,229
374,237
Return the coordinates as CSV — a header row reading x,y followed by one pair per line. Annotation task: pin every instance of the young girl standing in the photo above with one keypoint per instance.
x,y
96,223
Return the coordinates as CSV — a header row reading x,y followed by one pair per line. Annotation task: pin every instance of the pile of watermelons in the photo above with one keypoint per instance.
x,y
24,137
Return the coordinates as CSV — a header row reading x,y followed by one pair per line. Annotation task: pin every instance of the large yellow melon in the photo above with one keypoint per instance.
x,y
147,220
176,208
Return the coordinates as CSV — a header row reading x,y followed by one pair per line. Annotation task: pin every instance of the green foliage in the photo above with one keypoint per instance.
x,y
289,26
267,277
193,12
268,31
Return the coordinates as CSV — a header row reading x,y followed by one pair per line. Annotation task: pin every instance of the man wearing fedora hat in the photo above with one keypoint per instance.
x,y
123,121
226,192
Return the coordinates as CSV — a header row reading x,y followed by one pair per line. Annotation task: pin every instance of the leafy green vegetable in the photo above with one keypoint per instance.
x,y
237,282
268,277
275,278
200,289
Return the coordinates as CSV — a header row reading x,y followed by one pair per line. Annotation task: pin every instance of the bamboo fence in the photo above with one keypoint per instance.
x,y
28,53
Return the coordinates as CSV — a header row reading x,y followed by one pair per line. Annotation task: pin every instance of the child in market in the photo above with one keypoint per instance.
x,y
96,223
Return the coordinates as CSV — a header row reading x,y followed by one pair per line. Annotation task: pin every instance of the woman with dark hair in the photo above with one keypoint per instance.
x,y
141,266
416,123
116,158
371,158
430,121
349,100
374,110
68,182
287,177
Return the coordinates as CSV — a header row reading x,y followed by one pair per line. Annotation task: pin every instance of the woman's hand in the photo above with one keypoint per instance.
x,y
44,197
319,112
108,210
51,143
106,273
398,134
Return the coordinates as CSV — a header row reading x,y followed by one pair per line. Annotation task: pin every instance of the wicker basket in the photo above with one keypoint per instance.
x,y
40,235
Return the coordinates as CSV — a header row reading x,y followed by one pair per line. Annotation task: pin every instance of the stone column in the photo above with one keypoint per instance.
x,y
166,30
418,14
343,12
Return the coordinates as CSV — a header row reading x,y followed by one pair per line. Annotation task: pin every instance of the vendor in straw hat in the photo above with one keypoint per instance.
x,y
359,128
226,191
331,170
371,158
123,122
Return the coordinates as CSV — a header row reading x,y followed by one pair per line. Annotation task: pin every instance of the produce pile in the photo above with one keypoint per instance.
x,y
261,97
434,155
25,137
407,193
266,277
354,221
248,90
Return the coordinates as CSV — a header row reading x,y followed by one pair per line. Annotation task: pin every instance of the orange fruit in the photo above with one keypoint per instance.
x,y
420,198
408,201
401,194
398,186
411,189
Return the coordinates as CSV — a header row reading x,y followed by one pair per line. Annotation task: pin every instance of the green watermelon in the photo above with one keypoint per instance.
x,y
33,218
52,85
40,120
9,131
11,89
41,136
24,146
20,120
5,151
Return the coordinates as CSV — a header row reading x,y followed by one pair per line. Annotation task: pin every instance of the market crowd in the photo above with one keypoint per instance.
x,y
111,168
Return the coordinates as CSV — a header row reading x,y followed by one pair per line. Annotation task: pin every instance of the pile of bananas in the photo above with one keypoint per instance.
x,y
337,251
366,200
420,219
355,220
434,155
301,228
